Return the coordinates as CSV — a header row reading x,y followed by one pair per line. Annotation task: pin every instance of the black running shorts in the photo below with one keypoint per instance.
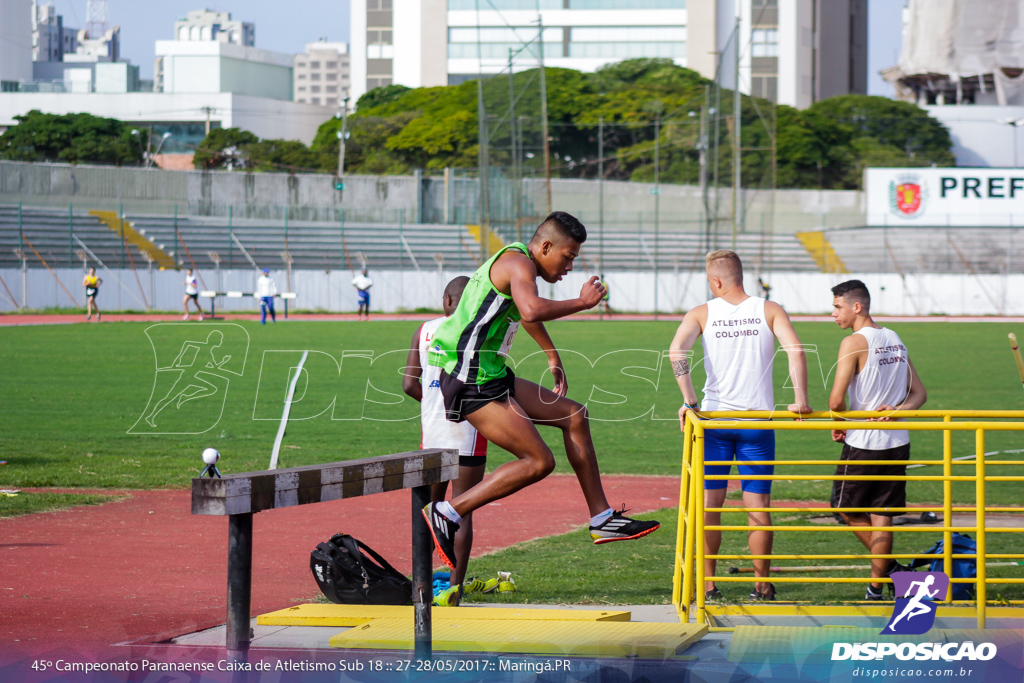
x,y
871,494
461,399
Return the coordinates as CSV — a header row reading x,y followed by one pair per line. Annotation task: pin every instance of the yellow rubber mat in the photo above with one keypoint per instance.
x,y
754,642
354,615
579,638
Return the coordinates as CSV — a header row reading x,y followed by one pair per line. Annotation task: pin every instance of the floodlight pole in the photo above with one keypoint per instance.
x,y
600,193
341,140
737,126
544,110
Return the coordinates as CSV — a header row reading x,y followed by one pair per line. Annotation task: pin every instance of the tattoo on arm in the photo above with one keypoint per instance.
x,y
681,367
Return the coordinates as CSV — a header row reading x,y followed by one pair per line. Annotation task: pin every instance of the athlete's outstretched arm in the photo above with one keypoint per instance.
x,y
521,275
543,339
411,377
783,330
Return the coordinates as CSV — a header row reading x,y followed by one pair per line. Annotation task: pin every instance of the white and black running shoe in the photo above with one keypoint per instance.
x,y
618,527
443,530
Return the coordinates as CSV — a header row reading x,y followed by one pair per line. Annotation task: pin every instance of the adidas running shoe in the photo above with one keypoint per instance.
x,y
443,530
449,597
476,585
618,527
506,584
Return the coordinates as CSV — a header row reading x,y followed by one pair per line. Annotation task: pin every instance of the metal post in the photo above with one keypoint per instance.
x,y
947,504
698,520
657,205
484,163
979,502
71,237
737,111
24,261
600,192
239,584
544,111
515,154
422,592
120,225
341,140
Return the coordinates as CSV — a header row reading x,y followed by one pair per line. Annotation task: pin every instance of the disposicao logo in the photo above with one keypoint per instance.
x,y
914,614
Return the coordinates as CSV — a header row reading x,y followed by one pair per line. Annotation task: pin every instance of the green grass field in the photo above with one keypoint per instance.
x,y
75,397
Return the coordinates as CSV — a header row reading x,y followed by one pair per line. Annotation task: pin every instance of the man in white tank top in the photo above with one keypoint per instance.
x,y
422,382
738,334
875,369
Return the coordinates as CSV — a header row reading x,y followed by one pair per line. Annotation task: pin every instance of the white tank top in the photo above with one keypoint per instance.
x,y
884,380
435,430
739,348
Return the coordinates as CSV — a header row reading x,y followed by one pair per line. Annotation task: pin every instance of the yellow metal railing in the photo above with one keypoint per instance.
x,y
689,578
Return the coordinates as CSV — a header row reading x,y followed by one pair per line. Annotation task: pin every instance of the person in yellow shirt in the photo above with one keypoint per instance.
x,y
92,288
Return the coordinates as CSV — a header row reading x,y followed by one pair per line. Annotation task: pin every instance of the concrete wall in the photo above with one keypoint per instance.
x,y
799,293
408,199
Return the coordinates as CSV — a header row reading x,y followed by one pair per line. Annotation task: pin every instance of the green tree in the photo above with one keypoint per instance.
x,y
379,96
224,148
74,139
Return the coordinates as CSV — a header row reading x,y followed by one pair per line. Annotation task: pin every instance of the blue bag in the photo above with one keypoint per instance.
x,y
962,568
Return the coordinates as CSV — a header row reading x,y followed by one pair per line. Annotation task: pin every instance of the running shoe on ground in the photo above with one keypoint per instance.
x,y
618,527
767,596
476,585
449,597
506,584
713,594
443,530
870,594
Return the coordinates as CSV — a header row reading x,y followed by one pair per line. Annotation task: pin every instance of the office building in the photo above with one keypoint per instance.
x,y
206,25
792,51
211,53
15,43
322,74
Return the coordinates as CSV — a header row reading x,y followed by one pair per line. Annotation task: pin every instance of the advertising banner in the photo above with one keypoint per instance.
x,y
982,197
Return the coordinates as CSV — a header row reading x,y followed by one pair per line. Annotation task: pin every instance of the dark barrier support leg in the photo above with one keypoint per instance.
x,y
239,584
422,577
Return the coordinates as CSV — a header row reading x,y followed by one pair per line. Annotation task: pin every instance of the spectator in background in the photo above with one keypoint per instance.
x,y
191,294
266,290
362,283
92,288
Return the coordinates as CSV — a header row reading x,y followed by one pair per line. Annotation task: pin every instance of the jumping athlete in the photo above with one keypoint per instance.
x,y
738,333
470,347
422,381
92,288
875,368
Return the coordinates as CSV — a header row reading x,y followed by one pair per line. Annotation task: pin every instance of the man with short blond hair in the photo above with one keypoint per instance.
x,y
738,333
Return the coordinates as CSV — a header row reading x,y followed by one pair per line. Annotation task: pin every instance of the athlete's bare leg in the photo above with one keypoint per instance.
x,y
713,498
545,407
760,541
504,424
468,478
873,535
510,425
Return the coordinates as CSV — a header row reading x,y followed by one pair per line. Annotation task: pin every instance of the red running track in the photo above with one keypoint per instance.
x,y
145,569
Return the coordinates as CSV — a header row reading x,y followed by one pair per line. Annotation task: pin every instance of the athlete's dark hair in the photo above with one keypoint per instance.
x,y
456,287
564,225
853,291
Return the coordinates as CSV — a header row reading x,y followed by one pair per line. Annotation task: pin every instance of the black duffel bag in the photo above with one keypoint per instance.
x,y
348,576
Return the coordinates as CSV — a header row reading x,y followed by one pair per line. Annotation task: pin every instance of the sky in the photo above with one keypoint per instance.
x,y
145,21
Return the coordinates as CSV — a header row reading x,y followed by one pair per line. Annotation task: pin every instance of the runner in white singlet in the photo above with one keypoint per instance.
x,y
875,369
422,382
738,333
